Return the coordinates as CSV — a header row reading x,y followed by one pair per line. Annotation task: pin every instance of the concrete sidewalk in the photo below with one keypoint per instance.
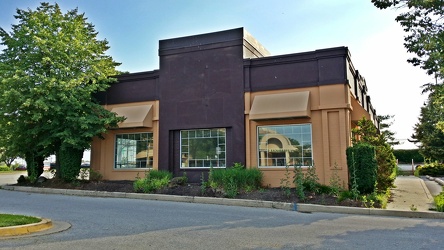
x,y
411,194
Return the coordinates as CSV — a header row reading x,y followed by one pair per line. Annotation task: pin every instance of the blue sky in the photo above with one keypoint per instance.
x,y
134,27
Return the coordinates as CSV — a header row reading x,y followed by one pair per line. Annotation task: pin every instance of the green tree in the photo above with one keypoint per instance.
x,y
385,121
428,136
366,132
6,157
424,24
50,68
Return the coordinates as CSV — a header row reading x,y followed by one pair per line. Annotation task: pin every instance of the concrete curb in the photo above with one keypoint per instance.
x,y
437,180
299,207
45,224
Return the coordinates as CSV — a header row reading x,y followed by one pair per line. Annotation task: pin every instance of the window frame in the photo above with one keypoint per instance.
x,y
150,139
282,126
220,149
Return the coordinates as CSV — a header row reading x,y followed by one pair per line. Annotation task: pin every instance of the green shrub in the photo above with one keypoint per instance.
x,y
154,180
439,202
233,180
299,183
311,180
286,182
335,183
324,189
346,194
361,160
432,169
380,199
94,175
386,167
4,168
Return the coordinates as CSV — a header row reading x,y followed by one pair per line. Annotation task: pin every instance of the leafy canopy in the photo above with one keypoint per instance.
x,y
50,68
423,21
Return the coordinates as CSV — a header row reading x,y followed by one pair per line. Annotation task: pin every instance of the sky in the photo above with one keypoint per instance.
x,y
133,29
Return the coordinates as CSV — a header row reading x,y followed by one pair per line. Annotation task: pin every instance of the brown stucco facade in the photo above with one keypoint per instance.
x,y
226,83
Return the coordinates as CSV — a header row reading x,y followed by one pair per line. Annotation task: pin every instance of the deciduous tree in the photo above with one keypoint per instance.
x,y
51,66
423,21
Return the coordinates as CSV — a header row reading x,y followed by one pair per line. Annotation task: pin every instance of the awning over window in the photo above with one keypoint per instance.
x,y
136,116
283,105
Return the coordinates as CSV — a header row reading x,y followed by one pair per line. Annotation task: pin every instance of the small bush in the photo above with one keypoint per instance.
x,y
311,180
336,184
432,169
298,181
233,180
94,175
178,181
380,199
439,202
324,189
153,181
344,195
4,168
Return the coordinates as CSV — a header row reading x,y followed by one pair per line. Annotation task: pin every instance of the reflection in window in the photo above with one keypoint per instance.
x,y
134,150
283,145
202,148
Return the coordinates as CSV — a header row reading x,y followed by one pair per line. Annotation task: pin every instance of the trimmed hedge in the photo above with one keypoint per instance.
x,y
362,165
4,168
406,155
432,169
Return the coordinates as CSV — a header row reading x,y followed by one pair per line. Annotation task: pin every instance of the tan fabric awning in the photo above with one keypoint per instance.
x,y
136,116
284,105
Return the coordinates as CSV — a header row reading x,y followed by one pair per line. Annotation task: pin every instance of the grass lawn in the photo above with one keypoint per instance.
x,y
13,172
8,220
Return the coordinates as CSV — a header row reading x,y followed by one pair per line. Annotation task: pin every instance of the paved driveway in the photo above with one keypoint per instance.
x,y
115,223
10,178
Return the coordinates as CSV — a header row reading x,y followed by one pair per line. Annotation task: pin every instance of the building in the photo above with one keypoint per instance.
x,y
221,98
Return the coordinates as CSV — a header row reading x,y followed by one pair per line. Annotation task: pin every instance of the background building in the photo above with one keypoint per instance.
x,y
220,98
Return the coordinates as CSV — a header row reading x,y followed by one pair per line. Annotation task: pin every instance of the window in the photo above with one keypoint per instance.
x,y
134,151
283,145
202,148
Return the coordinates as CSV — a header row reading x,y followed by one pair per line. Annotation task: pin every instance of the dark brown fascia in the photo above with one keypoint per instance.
x,y
297,57
145,75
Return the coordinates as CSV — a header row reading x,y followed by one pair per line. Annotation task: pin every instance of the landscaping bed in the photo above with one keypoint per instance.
x,y
195,189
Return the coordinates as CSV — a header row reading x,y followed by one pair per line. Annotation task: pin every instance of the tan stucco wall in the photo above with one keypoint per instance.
x,y
331,130
102,150
333,113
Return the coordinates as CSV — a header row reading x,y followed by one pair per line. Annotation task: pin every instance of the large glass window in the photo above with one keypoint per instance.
x,y
134,151
285,145
202,148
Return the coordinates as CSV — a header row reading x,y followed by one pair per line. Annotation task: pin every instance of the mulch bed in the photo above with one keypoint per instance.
x,y
194,189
